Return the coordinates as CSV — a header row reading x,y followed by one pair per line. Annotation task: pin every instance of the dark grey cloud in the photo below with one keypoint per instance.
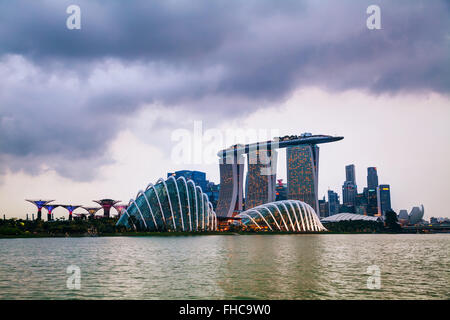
x,y
65,94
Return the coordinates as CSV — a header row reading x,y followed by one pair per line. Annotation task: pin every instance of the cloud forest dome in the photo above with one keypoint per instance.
x,y
170,205
286,215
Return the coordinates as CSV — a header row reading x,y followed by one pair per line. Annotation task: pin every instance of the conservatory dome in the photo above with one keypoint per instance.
x,y
170,205
285,215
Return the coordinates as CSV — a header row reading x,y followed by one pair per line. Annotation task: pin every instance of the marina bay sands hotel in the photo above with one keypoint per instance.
x,y
302,158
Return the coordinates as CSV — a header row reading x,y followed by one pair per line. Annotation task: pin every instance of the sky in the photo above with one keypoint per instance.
x,y
99,111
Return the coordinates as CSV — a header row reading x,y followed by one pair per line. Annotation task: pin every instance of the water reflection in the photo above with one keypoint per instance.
x,y
227,267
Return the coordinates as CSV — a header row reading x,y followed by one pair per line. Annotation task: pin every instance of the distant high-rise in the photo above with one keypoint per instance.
x,y
323,208
260,182
384,198
212,191
349,190
361,204
372,178
350,173
280,190
303,173
198,177
349,193
333,202
372,202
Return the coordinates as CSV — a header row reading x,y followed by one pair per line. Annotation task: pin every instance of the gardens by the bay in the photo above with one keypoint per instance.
x,y
12,228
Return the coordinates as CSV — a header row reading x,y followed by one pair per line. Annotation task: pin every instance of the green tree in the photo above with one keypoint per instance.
x,y
391,221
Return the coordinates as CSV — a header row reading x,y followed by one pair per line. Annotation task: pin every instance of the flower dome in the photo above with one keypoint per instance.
x,y
170,205
286,215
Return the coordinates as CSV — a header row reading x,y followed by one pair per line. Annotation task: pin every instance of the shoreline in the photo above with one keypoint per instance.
x,y
192,234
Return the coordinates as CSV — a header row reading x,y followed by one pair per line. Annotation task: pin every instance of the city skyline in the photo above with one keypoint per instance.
x,y
373,189
91,113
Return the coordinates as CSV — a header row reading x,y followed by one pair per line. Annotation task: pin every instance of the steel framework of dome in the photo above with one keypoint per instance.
x,y
350,216
285,215
170,205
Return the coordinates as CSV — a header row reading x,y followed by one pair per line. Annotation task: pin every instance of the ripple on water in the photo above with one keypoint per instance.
x,y
227,267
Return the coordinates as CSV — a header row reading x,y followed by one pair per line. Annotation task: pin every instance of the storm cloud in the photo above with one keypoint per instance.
x,y
65,94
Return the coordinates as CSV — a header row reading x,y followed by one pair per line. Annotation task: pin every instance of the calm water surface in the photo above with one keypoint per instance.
x,y
228,267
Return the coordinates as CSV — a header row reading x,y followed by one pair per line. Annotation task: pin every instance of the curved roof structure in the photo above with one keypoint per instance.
x,y
416,215
349,216
403,215
170,205
285,215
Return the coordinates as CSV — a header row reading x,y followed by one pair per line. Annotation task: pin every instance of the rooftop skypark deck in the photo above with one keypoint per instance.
x,y
278,143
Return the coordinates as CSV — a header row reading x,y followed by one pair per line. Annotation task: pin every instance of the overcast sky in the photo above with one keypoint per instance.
x,y
90,113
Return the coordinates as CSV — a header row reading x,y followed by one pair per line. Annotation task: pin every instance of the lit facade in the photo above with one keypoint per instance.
x,y
303,173
384,198
323,208
286,215
280,191
372,203
302,167
349,193
261,177
170,205
333,203
231,185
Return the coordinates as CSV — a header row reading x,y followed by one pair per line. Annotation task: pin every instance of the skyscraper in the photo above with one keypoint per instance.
x,y
361,204
349,193
280,190
372,178
323,208
384,198
350,173
303,173
372,202
349,189
261,175
333,202
231,185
